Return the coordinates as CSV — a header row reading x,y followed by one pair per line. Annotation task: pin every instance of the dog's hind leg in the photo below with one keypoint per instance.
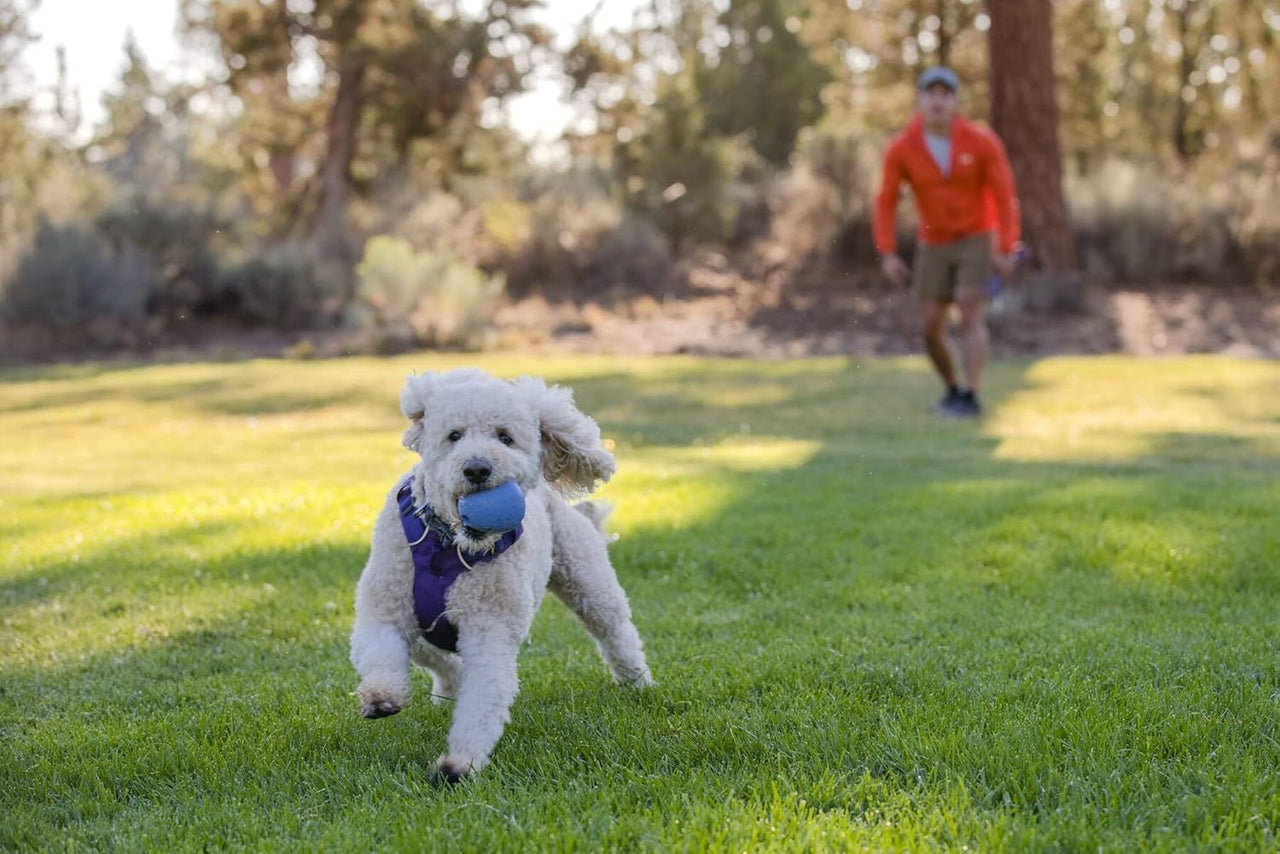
x,y
584,579
444,667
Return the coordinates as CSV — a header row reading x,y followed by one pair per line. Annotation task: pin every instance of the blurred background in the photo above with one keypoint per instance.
x,y
380,175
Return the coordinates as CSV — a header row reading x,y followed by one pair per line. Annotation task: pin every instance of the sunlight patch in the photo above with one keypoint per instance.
x,y
1121,409
681,487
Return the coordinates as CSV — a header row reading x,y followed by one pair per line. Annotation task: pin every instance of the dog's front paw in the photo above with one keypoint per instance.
x,y
380,709
378,704
635,679
451,770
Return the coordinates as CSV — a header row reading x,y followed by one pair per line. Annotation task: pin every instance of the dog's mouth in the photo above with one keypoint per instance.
x,y
472,540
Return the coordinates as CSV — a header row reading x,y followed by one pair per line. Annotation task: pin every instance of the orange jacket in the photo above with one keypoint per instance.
x,y
977,196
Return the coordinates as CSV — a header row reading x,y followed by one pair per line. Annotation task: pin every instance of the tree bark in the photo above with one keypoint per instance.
x,y
1184,142
945,35
329,225
1024,112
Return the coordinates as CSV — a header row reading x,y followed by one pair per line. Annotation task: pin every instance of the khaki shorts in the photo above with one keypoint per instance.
x,y
941,269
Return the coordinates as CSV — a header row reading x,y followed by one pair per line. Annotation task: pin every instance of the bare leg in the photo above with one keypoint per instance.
x,y
972,303
934,320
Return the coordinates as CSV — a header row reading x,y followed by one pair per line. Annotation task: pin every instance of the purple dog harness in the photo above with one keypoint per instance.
x,y
437,563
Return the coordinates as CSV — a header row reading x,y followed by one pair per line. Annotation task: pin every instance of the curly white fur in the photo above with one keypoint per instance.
x,y
532,434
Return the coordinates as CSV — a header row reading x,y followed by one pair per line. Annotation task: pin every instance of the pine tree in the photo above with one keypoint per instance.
x,y
1024,112
390,72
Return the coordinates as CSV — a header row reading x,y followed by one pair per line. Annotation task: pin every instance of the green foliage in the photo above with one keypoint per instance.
x,y
824,201
574,242
393,74
634,257
1139,224
1054,631
554,252
442,301
766,82
716,121
1255,221
70,277
15,35
677,173
283,285
179,242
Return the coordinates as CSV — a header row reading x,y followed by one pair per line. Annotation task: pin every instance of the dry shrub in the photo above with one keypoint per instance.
x,y
554,258
282,285
633,257
1140,224
179,242
70,278
823,205
432,298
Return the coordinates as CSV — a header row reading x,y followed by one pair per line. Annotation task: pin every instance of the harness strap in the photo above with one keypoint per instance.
x,y
438,561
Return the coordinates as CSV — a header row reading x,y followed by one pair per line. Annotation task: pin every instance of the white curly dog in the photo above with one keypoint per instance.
x,y
474,432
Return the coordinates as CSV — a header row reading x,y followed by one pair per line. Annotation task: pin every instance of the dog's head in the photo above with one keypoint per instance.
x,y
474,432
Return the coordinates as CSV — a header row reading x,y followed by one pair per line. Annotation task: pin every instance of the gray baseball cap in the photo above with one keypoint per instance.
x,y
938,74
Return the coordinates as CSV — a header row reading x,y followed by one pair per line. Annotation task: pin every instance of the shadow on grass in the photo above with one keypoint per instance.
x,y
212,397
163,563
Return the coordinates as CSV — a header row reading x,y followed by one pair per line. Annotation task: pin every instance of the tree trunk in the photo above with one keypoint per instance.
x,y
945,35
329,225
1186,64
1024,112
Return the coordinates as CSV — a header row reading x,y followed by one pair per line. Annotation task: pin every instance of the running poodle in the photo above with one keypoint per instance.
x,y
459,600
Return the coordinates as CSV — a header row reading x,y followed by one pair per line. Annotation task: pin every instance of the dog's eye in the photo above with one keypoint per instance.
x,y
455,436
505,438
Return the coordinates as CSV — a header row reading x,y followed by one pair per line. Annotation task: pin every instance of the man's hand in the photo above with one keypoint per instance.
x,y
895,269
1002,263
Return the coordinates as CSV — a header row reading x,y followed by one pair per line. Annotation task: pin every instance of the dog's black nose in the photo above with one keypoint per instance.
x,y
477,470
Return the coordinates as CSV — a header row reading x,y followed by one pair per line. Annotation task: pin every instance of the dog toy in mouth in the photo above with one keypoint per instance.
x,y
494,510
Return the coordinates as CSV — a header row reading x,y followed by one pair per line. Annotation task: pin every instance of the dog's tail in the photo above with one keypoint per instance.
x,y
597,512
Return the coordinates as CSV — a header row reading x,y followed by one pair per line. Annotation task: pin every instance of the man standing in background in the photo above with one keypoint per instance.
x,y
969,225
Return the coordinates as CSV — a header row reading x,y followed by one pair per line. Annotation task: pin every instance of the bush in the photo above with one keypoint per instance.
x,y
569,241
555,255
283,286
824,203
441,222
70,278
1137,223
1255,222
178,240
633,257
435,299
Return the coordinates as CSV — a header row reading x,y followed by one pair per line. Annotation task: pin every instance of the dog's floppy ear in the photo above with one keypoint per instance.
x,y
414,400
574,458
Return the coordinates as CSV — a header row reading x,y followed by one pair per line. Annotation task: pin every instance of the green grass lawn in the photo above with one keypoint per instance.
x,y
1056,629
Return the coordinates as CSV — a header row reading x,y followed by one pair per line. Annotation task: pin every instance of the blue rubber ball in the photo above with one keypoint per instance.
x,y
493,510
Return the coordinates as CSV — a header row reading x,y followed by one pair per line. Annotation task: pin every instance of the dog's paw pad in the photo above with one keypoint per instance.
x,y
379,709
452,772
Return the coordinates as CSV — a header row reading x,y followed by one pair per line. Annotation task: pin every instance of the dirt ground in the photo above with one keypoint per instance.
x,y
725,314
777,313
